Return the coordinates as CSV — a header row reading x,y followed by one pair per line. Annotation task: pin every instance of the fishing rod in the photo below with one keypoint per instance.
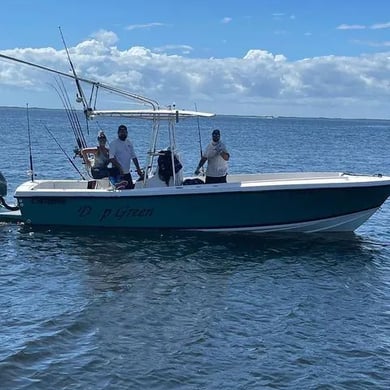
x,y
29,144
71,114
200,137
66,154
70,117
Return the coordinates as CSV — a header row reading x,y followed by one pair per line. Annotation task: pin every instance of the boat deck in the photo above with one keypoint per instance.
x,y
263,180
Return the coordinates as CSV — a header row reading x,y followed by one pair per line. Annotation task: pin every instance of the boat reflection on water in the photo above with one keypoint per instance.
x,y
120,245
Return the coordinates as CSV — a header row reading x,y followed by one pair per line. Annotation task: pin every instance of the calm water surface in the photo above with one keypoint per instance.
x,y
88,309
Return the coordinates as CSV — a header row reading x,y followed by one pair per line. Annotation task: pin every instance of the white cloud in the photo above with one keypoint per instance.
x,y
280,16
144,26
106,37
331,85
383,44
184,49
351,27
377,26
380,26
226,20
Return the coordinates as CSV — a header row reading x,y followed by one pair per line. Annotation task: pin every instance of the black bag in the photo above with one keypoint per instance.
x,y
165,165
195,181
100,173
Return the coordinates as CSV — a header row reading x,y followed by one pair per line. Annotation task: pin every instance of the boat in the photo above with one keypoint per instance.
x,y
254,203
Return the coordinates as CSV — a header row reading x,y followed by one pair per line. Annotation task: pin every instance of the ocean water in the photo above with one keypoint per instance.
x,y
87,309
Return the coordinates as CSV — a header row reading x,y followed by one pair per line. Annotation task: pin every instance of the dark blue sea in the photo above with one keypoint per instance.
x,y
102,309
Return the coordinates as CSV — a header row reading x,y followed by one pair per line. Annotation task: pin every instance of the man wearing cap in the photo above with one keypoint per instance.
x,y
121,153
217,157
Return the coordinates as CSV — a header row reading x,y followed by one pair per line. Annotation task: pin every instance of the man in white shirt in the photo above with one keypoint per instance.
x,y
121,153
217,157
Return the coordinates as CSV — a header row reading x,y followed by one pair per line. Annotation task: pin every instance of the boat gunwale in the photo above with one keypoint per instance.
x,y
197,189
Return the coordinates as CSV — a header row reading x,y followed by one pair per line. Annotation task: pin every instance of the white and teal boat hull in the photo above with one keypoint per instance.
x,y
294,202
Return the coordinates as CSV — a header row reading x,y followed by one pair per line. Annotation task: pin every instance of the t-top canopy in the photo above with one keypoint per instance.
x,y
164,114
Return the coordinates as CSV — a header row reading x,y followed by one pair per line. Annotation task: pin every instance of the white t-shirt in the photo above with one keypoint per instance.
x,y
124,152
216,165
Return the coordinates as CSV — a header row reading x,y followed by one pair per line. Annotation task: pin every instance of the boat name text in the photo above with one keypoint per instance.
x,y
118,214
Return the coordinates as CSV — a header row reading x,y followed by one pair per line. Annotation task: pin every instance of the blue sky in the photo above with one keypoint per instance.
x,y
251,57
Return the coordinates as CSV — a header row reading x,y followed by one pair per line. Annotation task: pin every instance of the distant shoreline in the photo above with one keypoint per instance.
x,y
265,117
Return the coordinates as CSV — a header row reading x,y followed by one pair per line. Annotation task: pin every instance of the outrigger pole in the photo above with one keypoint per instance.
x,y
81,95
88,111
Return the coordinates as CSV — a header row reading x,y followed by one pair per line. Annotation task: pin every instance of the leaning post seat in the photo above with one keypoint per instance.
x,y
99,184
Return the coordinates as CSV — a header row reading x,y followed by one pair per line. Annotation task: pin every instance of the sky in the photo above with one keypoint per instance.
x,y
305,58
